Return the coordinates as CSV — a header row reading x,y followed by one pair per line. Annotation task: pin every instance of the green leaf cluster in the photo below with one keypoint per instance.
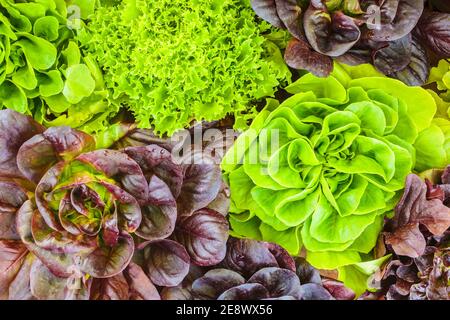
x,y
321,170
437,153
42,70
174,61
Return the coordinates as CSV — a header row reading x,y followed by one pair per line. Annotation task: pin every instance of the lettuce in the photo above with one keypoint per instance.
x,y
43,72
440,75
172,62
321,170
254,270
418,238
72,215
393,35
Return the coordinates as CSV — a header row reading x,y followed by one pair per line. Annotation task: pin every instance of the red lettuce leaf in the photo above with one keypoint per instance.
x,y
434,30
12,196
204,235
42,151
15,129
313,291
115,164
12,256
59,263
279,282
300,55
141,288
413,210
132,284
248,291
44,285
167,262
306,272
201,185
247,256
289,12
113,288
417,70
106,262
338,290
398,18
331,34
155,160
267,10
395,56
215,282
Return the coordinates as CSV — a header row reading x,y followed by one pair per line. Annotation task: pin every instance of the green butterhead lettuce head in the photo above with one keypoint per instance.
x,y
172,62
322,169
42,71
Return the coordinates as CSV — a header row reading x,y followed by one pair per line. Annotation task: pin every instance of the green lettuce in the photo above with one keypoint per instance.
x,y
42,70
440,75
321,170
172,62
437,153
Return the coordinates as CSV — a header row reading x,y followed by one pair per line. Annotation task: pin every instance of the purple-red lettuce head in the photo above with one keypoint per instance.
x,y
253,270
393,35
71,215
419,239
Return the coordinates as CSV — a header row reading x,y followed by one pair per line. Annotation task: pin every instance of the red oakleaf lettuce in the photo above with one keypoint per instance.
x,y
420,268
413,210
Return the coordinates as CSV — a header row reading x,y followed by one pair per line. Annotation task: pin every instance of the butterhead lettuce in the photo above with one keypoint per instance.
x,y
321,170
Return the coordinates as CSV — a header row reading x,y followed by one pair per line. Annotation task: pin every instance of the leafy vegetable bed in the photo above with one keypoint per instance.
x,y
231,150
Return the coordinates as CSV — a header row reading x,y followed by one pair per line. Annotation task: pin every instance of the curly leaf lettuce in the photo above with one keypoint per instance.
x,y
172,62
322,169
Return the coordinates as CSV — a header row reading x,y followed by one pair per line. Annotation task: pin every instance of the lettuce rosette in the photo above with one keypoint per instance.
x,y
73,215
43,72
187,60
321,170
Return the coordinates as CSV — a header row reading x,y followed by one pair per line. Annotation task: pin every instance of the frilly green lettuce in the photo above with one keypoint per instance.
x,y
172,62
321,170
42,71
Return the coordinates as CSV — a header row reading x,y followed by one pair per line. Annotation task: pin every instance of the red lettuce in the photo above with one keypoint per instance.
x,y
355,32
419,239
254,270
71,215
